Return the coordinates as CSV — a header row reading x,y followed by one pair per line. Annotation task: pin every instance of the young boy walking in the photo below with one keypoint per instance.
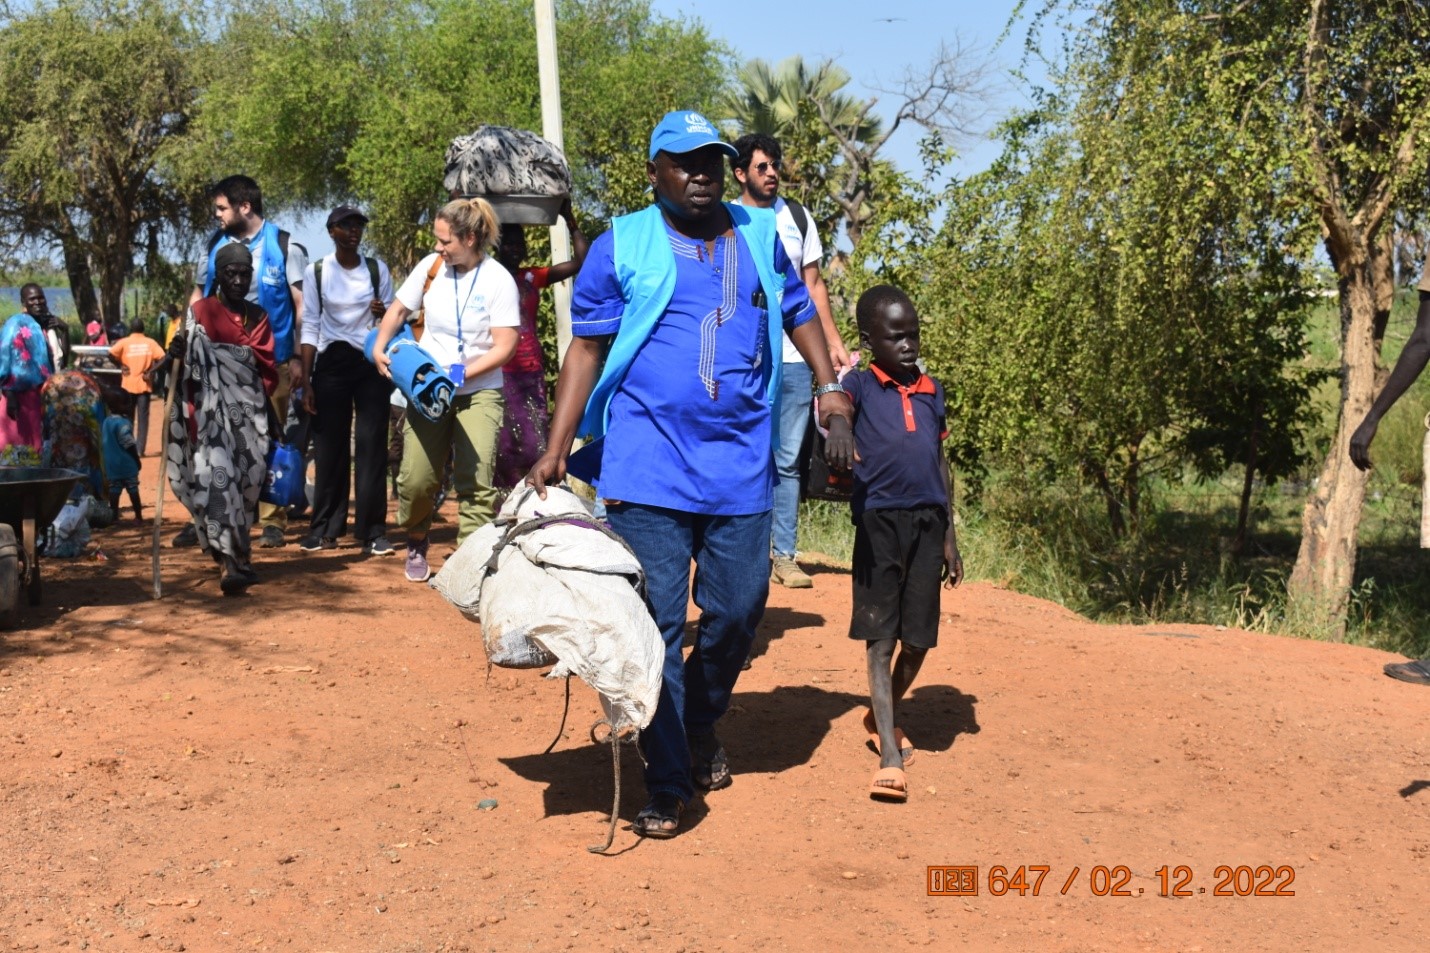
x,y
904,540
121,453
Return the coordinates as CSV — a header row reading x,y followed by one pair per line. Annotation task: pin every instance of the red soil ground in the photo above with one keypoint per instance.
x,y
300,769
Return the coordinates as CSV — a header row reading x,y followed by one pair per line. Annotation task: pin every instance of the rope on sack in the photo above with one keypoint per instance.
x,y
614,737
512,534
564,710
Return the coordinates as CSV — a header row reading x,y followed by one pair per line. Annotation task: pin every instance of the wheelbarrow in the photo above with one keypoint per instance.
x,y
30,499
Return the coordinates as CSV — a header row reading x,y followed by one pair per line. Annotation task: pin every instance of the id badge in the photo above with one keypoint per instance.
x,y
458,373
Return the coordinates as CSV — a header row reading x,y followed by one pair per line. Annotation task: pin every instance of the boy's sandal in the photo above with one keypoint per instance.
x,y
906,747
889,785
663,809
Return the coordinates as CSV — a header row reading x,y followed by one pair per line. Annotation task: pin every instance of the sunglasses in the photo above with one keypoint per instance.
x,y
764,167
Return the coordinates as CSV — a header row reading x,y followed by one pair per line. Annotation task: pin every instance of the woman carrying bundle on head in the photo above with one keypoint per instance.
x,y
472,317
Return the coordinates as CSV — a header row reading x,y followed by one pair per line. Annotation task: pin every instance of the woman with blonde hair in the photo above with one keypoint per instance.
x,y
472,317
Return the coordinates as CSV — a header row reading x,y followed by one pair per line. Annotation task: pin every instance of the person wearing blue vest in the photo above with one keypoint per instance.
x,y
678,317
278,265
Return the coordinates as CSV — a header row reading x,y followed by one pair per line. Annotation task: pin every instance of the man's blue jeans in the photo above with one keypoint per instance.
x,y
732,582
796,394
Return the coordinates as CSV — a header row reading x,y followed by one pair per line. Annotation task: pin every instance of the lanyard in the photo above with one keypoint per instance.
x,y
461,304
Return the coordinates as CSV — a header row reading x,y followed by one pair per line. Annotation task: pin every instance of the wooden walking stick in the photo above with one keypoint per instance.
x,y
175,375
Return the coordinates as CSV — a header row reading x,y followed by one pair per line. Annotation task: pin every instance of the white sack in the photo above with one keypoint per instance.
x,y
564,593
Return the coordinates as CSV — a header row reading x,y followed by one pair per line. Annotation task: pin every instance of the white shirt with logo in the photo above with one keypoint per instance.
x,y
487,297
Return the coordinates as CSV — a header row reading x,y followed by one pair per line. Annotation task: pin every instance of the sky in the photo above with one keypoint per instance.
x,y
875,43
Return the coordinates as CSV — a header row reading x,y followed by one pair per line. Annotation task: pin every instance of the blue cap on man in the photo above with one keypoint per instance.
x,y
685,131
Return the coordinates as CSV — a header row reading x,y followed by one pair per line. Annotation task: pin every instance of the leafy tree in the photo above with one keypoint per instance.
x,y
369,95
97,100
1115,297
1321,111
832,140
1360,73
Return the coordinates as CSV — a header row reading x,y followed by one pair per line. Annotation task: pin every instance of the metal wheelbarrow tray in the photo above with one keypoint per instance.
x,y
30,499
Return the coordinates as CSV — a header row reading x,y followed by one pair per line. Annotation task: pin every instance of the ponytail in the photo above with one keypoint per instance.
x,y
472,217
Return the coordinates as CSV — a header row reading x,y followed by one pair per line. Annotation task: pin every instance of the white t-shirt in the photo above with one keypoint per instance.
x,y
802,250
347,298
488,299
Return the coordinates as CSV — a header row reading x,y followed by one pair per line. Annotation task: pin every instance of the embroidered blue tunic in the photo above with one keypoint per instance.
x,y
689,423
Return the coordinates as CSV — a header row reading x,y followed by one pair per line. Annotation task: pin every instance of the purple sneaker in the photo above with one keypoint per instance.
x,y
417,568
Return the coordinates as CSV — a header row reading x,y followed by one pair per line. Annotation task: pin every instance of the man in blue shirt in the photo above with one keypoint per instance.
x,y
678,316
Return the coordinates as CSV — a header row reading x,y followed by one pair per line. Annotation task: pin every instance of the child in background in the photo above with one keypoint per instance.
x,y
121,453
904,540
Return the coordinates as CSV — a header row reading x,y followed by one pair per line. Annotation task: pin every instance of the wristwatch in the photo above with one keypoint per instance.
x,y
822,389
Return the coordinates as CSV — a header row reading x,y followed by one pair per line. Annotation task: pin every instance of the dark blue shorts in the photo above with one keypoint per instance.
x,y
898,567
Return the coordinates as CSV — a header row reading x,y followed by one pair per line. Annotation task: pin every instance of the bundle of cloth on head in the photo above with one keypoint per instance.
x,y
418,376
550,584
497,160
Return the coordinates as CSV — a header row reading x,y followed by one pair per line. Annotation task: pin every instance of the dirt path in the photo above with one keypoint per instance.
x,y
301,769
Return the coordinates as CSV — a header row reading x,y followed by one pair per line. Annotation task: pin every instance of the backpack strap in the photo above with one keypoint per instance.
x,y
373,274
284,240
432,275
801,218
418,319
318,282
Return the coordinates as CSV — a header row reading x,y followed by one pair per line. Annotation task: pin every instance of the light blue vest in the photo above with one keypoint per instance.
x,y
645,268
274,296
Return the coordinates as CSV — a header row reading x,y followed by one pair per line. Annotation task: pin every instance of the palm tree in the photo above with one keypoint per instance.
x,y
769,99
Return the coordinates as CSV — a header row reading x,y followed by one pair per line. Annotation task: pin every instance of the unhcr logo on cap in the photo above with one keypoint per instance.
x,y
686,131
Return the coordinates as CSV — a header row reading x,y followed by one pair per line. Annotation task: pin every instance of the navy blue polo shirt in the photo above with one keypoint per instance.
x,y
899,432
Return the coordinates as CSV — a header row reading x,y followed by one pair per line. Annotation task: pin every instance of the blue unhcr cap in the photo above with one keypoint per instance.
x,y
686,131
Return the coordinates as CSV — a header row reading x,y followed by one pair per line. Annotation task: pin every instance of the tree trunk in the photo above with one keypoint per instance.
x,y
1243,511
81,279
1109,497
1320,583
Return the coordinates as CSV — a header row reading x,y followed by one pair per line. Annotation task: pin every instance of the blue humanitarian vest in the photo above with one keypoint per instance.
x,y
274,295
645,268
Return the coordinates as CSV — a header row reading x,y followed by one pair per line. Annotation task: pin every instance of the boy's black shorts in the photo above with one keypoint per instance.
x,y
898,565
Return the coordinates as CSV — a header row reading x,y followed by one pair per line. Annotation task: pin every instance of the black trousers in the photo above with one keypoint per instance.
x,y
141,421
346,386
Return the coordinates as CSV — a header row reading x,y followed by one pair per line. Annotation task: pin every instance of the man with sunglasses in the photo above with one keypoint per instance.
x,y
757,165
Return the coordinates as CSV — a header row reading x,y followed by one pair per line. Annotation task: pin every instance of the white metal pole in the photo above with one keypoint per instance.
x,y
551,128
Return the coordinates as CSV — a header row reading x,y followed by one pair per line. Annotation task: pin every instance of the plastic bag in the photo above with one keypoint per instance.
x,y
283,485
68,535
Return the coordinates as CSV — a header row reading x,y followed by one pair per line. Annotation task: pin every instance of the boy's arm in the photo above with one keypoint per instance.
x,y
127,442
952,561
